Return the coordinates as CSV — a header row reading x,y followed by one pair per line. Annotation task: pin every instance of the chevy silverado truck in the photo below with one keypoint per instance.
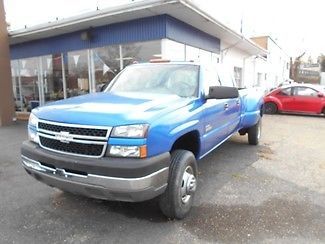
x,y
141,137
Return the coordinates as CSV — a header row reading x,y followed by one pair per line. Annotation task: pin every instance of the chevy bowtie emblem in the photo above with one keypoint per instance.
x,y
64,137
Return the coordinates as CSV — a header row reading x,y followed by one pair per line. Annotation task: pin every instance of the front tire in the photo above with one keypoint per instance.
x,y
254,133
270,108
177,200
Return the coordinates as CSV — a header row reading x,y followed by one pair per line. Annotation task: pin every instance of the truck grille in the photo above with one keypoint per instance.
x,y
73,130
80,140
72,147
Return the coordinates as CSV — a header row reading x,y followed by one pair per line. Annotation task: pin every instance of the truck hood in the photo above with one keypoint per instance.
x,y
111,109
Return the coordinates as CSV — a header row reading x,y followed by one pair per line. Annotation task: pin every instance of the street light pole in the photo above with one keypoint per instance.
x,y
6,93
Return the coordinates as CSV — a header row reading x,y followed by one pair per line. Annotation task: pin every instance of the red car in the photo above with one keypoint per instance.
x,y
298,98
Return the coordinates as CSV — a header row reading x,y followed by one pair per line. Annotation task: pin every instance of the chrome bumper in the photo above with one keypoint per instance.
x,y
99,186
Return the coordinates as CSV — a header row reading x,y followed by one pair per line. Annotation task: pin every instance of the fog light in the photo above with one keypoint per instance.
x,y
128,151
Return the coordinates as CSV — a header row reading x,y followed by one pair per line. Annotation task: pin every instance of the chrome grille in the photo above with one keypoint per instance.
x,y
73,130
73,139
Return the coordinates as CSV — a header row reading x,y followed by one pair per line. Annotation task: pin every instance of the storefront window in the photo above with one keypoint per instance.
x,y
205,57
78,73
215,58
172,50
29,83
15,85
52,77
47,78
140,52
192,53
106,65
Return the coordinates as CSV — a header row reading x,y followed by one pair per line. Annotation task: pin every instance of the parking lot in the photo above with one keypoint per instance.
x,y
271,193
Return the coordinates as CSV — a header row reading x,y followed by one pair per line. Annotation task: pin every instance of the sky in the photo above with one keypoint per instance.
x,y
294,24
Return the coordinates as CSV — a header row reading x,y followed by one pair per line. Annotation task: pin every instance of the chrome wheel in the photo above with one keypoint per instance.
x,y
188,186
259,127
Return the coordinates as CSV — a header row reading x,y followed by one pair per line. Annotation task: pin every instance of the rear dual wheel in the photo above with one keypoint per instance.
x,y
254,133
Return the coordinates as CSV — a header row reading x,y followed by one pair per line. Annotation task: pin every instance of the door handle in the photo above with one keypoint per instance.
x,y
226,106
237,102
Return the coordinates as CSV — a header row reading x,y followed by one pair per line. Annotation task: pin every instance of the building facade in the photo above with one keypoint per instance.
x,y
79,55
275,67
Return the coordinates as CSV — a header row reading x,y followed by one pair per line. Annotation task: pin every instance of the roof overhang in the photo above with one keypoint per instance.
x,y
184,10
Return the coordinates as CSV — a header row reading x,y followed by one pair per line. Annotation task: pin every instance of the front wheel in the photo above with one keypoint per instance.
x,y
177,200
254,133
270,108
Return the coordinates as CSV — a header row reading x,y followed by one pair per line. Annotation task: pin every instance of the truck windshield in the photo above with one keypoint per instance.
x,y
177,79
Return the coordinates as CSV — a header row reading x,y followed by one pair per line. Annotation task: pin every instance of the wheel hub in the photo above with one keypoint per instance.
x,y
189,184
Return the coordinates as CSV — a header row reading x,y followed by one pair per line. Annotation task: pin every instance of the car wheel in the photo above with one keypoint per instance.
x,y
324,112
254,133
177,200
270,108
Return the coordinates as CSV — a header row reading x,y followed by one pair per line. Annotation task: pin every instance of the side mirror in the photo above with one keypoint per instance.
x,y
320,94
222,92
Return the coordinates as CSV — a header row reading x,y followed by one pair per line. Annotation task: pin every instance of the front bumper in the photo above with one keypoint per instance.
x,y
80,175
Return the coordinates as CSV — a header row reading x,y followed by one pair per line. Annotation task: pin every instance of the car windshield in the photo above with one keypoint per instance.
x,y
173,79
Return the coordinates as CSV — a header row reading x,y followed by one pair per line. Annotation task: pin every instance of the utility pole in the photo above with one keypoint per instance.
x,y
6,94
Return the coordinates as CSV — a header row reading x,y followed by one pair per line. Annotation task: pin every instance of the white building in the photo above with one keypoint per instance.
x,y
275,69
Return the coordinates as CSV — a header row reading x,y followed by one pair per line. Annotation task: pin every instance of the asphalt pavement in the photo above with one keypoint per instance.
x,y
271,193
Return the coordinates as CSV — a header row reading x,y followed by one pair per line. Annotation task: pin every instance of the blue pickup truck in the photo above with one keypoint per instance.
x,y
141,137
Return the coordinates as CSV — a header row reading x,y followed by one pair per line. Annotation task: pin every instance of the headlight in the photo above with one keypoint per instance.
x,y
130,131
128,151
33,120
32,128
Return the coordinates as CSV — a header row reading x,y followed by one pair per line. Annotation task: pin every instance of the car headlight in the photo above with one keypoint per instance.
x,y
128,151
130,131
33,120
32,128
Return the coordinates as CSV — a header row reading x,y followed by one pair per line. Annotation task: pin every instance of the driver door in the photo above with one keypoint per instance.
x,y
215,114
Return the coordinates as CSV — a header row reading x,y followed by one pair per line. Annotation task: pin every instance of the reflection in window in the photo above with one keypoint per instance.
x,y
205,57
41,79
181,80
140,52
173,51
29,83
15,85
52,77
305,91
192,53
285,92
106,65
211,78
215,59
225,77
78,77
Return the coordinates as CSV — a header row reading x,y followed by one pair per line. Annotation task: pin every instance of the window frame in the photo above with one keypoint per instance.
x,y
287,88
306,87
